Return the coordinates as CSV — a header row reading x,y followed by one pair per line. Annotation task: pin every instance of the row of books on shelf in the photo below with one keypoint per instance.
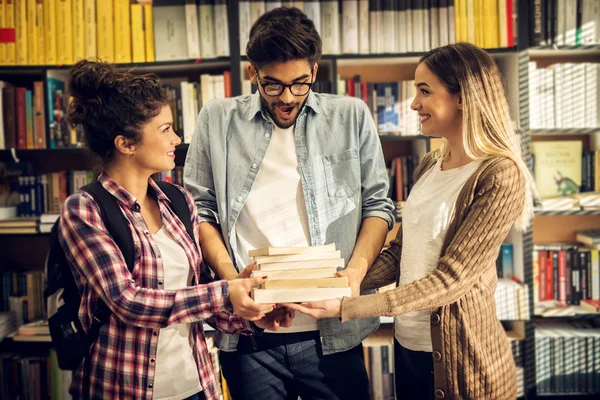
x,y
566,275
401,175
567,357
565,22
22,294
23,111
389,103
564,95
33,377
46,193
389,26
58,32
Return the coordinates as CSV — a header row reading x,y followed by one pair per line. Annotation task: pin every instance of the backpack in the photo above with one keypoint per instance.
x,y
71,343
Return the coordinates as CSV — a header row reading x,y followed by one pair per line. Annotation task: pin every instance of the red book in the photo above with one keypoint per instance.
x,y
21,118
542,260
510,31
549,277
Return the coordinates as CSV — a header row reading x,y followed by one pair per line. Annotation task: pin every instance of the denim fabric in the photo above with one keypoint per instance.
x,y
285,366
341,167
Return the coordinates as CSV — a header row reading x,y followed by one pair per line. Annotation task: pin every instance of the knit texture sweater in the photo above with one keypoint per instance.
x,y
472,358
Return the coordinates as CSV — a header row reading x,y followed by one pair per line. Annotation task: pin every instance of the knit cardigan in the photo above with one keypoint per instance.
x,y
472,358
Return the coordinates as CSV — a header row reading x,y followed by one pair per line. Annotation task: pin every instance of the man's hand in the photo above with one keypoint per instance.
x,y
243,305
355,277
319,309
280,317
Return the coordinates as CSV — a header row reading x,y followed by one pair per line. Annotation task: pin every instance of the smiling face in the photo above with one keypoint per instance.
x,y
439,110
156,151
283,109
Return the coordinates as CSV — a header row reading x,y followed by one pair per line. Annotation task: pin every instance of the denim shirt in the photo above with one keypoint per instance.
x,y
341,167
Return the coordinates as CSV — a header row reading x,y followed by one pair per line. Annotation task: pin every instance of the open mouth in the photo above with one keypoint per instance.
x,y
285,112
424,117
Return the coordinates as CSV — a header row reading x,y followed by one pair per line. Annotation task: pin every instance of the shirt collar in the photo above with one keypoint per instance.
x,y
123,195
256,107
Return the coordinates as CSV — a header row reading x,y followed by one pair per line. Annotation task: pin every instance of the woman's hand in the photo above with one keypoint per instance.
x,y
243,305
280,317
319,309
247,271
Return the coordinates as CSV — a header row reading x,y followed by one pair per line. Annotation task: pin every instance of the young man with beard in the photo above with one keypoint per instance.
x,y
290,167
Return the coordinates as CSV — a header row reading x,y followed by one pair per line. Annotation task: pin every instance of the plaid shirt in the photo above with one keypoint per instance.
x,y
122,362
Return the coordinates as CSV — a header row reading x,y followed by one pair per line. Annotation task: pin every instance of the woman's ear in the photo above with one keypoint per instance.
x,y
124,145
460,103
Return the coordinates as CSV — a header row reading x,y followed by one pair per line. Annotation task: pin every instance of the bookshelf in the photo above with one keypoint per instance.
x,y
548,227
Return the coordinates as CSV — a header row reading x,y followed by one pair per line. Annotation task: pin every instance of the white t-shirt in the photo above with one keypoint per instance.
x,y
274,213
425,219
176,375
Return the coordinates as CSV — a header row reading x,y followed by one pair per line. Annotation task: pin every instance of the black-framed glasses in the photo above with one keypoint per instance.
x,y
276,89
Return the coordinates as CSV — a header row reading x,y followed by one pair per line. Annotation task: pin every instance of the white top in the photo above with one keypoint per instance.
x,y
425,219
176,375
275,211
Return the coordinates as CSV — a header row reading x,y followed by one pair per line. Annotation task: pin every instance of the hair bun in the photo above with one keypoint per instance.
x,y
89,79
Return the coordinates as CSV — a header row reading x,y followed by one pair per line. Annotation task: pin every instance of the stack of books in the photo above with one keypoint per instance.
x,y
19,225
298,274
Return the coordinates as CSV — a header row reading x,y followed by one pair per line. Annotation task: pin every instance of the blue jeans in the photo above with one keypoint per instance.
x,y
287,365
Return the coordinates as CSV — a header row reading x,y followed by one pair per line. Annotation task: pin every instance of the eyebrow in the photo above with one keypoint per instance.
x,y
270,78
165,123
421,84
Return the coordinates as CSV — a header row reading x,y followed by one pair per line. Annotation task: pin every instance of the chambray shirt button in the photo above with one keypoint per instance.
x,y
267,135
254,165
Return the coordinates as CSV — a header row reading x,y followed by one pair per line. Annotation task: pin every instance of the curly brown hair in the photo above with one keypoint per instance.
x,y
107,103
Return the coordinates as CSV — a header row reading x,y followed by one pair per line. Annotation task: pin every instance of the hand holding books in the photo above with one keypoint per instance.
x,y
243,305
319,309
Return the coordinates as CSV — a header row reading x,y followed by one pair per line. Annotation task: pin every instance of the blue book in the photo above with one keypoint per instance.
x,y
508,270
388,107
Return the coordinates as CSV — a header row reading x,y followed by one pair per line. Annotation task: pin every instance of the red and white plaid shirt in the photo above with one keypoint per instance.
x,y
122,362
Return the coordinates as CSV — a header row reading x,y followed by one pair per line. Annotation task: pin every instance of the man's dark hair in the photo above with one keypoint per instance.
x,y
281,35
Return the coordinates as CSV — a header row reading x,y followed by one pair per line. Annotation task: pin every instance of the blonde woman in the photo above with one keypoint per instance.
x,y
467,195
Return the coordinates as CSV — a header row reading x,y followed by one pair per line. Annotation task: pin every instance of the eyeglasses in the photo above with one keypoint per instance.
x,y
276,89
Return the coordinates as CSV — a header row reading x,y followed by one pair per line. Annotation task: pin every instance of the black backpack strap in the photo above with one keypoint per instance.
x,y
118,227
180,206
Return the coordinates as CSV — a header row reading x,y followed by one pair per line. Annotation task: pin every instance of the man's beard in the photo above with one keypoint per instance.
x,y
273,112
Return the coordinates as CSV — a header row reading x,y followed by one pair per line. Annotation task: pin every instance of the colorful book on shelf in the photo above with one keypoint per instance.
x,y
557,167
592,305
590,237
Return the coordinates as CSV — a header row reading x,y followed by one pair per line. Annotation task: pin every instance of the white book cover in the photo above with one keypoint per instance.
x,y
451,22
534,97
330,26
426,27
401,32
567,94
350,40
218,82
434,26
312,9
376,27
206,88
206,17
592,95
363,26
570,22
548,87
186,105
170,34
590,22
409,29
502,23
418,42
388,16
191,23
296,265
309,273
327,255
245,16
299,295
558,95
274,251
272,4
577,89
561,11
221,29
443,37
257,8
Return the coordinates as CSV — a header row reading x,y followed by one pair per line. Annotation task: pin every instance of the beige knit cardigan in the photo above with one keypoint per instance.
x,y
472,357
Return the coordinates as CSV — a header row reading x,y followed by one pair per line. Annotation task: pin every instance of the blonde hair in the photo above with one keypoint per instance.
x,y
486,123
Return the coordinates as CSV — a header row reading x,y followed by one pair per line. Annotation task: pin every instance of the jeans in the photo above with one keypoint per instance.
x,y
413,374
288,365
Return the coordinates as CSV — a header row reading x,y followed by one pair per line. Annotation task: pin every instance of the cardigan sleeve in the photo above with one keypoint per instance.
x,y
386,266
498,200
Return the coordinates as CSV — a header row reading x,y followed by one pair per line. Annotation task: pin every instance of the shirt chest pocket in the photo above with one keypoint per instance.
x,y
342,173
